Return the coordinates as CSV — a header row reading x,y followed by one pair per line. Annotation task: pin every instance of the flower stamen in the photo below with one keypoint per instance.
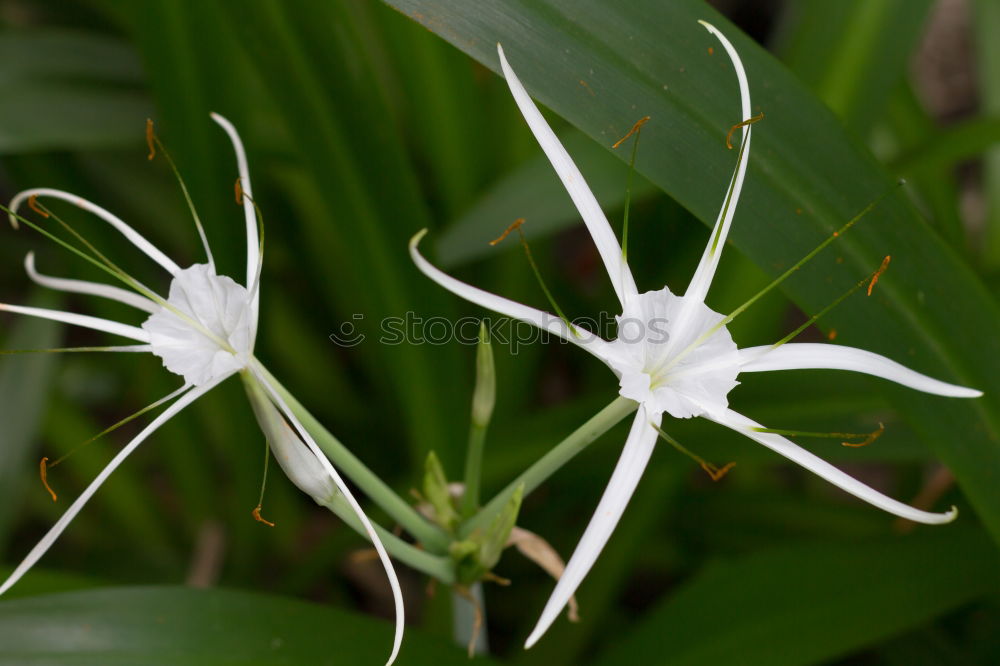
x,y
516,226
864,438
154,141
732,130
150,139
43,472
714,471
34,205
878,273
263,485
637,130
870,280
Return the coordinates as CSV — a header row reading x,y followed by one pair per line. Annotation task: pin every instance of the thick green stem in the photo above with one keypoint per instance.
x,y
548,464
431,536
473,469
437,566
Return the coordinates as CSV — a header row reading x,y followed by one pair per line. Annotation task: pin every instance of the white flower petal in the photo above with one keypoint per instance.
x,y
213,337
638,448
253,241
604,237
662,367
397,593
131,234
84,287
42,546
543,320
702,278
814,355
820,467
86,321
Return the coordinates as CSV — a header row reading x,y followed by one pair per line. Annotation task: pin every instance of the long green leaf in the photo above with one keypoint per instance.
x,y
185,627
810,603
806,177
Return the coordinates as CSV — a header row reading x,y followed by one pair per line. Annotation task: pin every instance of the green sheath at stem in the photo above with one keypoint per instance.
x,y
433,538
548,464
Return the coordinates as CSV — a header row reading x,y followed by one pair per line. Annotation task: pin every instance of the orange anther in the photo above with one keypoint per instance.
x,y
238,190
588,88
878,273
832,335
150,139
748,121
35,206
716,473
875,434
259,518
635,128
43,470
516,224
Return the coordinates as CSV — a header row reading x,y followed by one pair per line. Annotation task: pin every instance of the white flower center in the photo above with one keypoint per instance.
x,y
671,365
206,335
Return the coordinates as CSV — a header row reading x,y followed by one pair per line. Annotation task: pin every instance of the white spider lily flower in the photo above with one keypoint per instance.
x,y
203,331
673,354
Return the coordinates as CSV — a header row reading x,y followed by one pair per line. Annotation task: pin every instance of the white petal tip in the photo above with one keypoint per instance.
x,y
532,639
708,26
971,393
417,237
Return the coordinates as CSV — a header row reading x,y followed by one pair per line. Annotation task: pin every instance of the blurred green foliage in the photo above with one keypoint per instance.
x,y
363,127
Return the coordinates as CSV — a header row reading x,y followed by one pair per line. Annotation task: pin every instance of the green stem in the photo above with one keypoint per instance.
x,y
432,537
473,469
437,566
552,461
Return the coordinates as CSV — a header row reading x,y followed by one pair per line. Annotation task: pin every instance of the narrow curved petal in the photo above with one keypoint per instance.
x,y
92,288
124,229
42,546
253,241
702,278
543,320
638,448
95,323
576,186
820,467
815,355
390,572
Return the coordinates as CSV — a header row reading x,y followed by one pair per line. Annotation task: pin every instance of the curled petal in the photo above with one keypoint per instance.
x,y
815,355
42,546
92,288
703,275
576,186
253,240
128,232
820,467
638,448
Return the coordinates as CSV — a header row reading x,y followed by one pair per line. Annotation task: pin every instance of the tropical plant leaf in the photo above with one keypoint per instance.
x,y
185,627
810,603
